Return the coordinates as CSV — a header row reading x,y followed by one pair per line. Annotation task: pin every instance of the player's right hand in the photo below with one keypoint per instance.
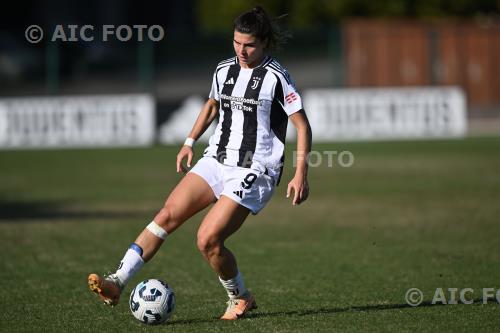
x,y
185,151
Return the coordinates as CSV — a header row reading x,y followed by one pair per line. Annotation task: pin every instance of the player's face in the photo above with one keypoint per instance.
x,y
249,49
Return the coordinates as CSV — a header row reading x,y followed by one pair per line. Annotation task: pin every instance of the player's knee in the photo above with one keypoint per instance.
x,y
208,245
165,217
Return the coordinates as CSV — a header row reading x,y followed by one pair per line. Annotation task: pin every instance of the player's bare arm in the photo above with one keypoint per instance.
x,y
205,118
298,185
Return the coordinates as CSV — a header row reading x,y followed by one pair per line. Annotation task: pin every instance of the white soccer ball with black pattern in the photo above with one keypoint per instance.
x,y
152,302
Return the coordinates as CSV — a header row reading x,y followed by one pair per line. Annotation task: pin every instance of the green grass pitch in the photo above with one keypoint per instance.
x,y
422,214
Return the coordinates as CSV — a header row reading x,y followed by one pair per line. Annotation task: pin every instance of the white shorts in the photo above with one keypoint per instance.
x,y
250,188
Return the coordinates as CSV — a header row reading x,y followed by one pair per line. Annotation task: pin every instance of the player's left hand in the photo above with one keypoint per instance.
x,y
300,189
185,152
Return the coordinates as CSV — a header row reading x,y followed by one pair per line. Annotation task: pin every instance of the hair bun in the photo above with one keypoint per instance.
x,y
257,23
258,10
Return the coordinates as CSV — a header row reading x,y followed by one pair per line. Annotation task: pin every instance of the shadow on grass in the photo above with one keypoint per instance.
x,y
324,310
26,211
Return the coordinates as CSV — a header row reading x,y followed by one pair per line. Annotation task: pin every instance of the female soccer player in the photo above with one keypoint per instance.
x,y
254,97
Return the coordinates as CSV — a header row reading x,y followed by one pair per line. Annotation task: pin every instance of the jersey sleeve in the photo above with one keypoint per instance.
x,y
214,91
288,95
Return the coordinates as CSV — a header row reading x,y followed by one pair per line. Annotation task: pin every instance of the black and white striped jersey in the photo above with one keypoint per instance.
x,y
254,105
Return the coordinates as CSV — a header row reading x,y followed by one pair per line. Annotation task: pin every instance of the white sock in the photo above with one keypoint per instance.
x,y
235,287
130,264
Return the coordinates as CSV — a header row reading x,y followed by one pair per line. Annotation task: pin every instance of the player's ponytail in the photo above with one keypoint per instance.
x,y
257,22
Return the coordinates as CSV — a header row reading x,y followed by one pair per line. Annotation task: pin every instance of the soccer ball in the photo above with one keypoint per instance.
x,y
152,302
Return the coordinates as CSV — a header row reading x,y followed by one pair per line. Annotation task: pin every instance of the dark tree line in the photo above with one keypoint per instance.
x,y
215,16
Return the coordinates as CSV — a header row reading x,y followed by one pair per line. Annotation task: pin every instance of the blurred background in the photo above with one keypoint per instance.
x,y
335,44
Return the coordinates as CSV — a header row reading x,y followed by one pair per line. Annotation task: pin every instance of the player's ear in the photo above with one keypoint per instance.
x,y
266,43
263,42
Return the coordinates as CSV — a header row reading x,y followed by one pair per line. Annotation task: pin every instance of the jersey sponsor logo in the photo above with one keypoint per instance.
x,y
256,81
241,107
241,99
239,193
230,81
291,97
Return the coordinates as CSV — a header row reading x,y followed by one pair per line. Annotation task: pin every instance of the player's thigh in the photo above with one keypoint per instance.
x,y
223,219
190,196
